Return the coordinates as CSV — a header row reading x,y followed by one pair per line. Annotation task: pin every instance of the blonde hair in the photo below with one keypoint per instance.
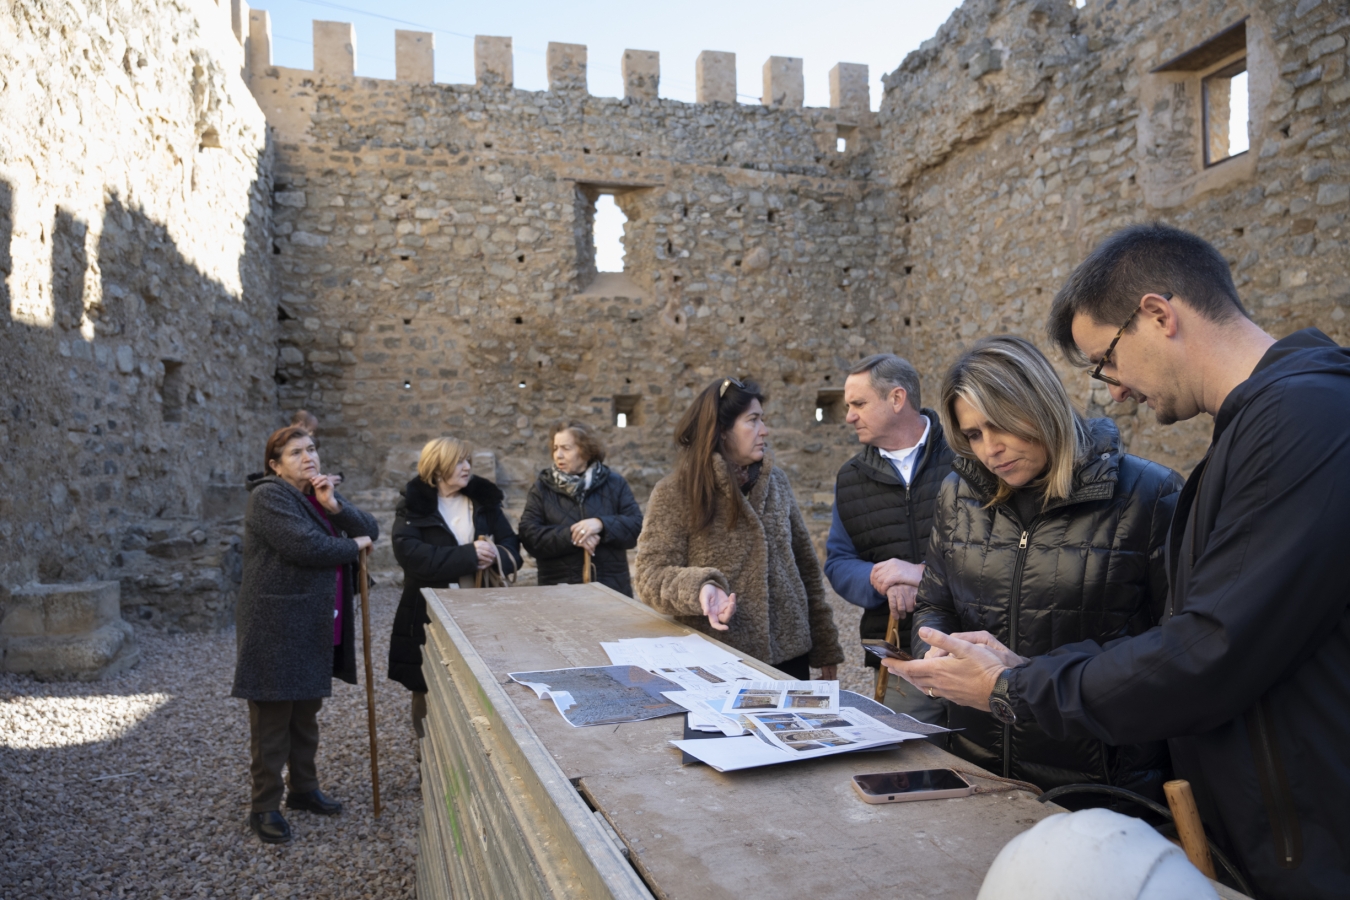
x,y
440,457
1011,383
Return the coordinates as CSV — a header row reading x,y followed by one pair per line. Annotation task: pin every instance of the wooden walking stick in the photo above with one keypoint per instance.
x,y
364,580
883,673
1186,816
587,567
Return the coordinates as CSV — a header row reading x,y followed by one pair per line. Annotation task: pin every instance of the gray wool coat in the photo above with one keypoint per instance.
x,y
284,619
767,560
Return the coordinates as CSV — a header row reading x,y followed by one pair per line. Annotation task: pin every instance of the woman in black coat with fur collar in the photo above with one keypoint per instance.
x,y
443,512
579,504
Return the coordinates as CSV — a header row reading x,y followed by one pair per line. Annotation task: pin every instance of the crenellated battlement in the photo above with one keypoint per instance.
x,y
414,56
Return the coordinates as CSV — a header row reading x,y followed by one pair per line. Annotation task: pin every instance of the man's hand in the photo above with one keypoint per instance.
x,y
902,598
1010,659
829,673
893,572
964,674
718,606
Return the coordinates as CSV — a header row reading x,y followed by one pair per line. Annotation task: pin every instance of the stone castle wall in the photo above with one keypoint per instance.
x,y
137,313
434,255
1023,133
184,264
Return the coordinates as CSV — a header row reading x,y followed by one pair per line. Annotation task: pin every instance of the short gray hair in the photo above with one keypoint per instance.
x,y
889,372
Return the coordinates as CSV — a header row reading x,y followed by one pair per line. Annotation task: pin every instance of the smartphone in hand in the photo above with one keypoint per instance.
x,y
885,650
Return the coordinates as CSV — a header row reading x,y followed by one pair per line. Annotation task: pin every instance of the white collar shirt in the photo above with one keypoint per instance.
x,y
904,459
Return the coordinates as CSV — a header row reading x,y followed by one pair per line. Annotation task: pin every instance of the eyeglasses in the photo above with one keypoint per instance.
x,y
726,383
1106,357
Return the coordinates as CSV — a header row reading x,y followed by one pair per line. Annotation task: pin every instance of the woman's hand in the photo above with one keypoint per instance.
x,y
487,553
362,542
829,673
586,529
718,606
591,543
323,492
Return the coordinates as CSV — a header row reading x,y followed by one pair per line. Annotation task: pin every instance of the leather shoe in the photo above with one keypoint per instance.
x,y
314,801
271,827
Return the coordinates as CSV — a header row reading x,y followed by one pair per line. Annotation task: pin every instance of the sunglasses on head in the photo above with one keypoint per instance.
x,y
726,383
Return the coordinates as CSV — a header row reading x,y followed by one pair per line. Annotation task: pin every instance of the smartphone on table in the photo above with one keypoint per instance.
x,y
885,650
921,784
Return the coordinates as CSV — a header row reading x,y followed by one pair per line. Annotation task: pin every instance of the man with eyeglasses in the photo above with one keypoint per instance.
x,y
1248,674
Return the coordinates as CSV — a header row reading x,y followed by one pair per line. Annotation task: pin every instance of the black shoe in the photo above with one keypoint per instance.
x,y
315,802
271,827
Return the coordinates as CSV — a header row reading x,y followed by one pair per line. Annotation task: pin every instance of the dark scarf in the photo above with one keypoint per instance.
x,y
574,486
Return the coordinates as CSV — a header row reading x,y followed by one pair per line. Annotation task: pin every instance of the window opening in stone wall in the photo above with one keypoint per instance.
x,y
174,393
830,408
1224,96
627,410
844,137
608,232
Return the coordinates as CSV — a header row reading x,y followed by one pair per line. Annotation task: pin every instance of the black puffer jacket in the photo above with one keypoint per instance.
x,y
1089,567
432,558
886,519
546,530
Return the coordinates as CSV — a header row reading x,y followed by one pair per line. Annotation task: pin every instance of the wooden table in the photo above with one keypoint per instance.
x,y
518,803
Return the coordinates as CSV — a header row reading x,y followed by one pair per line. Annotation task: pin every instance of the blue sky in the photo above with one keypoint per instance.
x,y
873,32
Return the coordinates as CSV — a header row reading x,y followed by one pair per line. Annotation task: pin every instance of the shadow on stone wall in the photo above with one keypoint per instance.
x,y
126,452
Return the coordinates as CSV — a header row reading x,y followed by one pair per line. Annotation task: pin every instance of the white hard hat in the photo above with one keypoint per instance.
x,y
1094,854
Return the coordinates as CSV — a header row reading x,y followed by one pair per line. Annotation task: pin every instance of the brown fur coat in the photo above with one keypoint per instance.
x,y
768,561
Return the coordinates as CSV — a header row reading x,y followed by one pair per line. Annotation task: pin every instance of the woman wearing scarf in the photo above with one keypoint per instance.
x,y
580,504
726,549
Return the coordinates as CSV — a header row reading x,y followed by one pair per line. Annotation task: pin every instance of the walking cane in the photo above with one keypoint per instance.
x,y
883,673
364,580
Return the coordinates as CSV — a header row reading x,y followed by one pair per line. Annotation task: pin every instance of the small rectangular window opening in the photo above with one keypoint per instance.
x,y
627,410
174,392
844,137
1225,112
608,234
830,407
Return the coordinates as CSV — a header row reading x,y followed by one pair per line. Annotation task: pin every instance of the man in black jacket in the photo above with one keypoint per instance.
x,y
1248,675
883,507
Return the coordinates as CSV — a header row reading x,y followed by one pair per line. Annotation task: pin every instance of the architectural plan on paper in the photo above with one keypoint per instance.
x,y
602,695
764,696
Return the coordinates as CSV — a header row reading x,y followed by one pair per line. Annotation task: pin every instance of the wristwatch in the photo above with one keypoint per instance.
x,y
1000,703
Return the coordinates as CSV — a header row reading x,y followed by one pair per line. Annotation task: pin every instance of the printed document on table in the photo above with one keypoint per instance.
x,y
712,675
602,695
667,652
767,696
788,737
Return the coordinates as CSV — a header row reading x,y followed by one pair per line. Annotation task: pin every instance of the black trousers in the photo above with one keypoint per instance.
x,y
799,667
282,733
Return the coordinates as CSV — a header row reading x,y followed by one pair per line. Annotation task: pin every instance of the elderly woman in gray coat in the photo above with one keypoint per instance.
x,y
295,622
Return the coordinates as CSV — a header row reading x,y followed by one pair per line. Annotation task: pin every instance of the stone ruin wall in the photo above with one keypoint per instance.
x,y
1023,133
433,249
426,248
137,315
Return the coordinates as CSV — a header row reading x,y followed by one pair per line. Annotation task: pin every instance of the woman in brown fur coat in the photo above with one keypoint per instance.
x,y
724,548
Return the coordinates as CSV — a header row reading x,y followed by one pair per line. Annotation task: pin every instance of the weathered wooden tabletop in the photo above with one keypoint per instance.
x,y
795,830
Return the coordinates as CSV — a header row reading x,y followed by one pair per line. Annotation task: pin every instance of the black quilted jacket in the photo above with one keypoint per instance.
x,y
546,531
1090,567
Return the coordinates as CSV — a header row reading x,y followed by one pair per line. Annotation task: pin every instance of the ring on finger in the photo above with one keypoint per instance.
x,y
931,694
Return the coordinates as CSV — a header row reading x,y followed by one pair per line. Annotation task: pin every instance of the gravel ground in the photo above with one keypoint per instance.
x,y
138,786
